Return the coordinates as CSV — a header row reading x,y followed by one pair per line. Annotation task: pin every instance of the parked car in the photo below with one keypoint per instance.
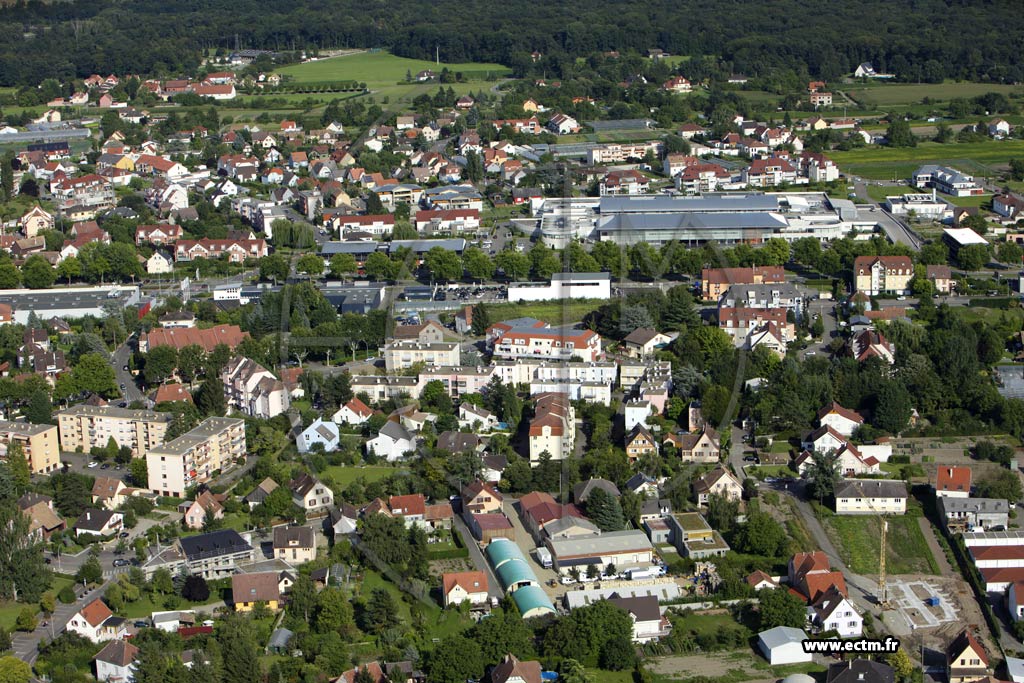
x,y
121,562
93,464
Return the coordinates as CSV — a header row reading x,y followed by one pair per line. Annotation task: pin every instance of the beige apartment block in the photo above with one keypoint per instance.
x,y
83,427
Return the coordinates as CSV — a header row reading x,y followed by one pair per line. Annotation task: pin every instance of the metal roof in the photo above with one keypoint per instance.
x,y
611,542
515,571
732,202
502,550
687,220
532,601
781,635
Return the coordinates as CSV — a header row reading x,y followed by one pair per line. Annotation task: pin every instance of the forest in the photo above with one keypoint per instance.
x,y
925,40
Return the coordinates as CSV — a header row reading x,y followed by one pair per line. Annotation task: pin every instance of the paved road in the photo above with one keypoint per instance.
x,y
477,557
120,359
26,645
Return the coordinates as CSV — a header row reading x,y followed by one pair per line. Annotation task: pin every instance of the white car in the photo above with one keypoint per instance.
x,y
93,464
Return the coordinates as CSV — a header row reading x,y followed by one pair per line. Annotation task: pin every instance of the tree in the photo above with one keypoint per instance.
x,y
39,409
899,133
342,265
680,310
94,374
210,399
823,475
455,659
302,600
69,268
90,572
514,264
379,267
23,572
191,361
605,511
273,267
160,364
13,670
195,589
139,472
334,612
894,407
761,535
380,611
1003,484
618,653
503,633
722,512
1010,252
26,620
37,273
443,265
901,665
238,650
162,582
18,465
973,256
479,265
311,264
781,608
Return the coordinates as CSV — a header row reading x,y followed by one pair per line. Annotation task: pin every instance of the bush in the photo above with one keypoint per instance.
x,y
67,595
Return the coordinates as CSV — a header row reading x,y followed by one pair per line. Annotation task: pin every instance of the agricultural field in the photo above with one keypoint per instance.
x,y
380,68
981,159
858,540
895,94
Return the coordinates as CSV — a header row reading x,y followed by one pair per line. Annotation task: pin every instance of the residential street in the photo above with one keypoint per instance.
x,y
477,557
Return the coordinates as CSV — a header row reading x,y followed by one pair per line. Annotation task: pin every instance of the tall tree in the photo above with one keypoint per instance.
x,y
23,573
238,645
605,511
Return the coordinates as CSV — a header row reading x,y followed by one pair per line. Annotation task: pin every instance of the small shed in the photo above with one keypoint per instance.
x,y
783,645
279,640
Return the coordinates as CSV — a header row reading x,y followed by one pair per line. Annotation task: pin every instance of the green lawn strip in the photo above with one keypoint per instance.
x,y
381,68
553,312
343,475
858,539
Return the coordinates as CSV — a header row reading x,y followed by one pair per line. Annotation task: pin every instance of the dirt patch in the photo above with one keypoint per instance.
x,y
738,666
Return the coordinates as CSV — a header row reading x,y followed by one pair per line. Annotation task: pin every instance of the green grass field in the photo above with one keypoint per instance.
x,y
9,609
554,312
858,540
344,476
883,163
379,68
886,94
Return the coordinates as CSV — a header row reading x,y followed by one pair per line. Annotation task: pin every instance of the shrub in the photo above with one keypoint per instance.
x,y
67,595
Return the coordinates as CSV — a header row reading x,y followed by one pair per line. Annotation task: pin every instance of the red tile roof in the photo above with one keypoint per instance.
x,y
954,479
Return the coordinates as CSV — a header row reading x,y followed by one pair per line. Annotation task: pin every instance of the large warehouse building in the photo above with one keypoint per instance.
x,y
726,218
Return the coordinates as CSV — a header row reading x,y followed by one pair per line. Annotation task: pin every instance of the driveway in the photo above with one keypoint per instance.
x,y
476,556
525,542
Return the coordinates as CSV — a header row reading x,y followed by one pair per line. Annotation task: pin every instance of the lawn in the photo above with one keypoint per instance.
x,y
380,68
705,623
343,476
553,312
906,94
858,539
437,623
885,163
9,609
145,606
765,471
973,314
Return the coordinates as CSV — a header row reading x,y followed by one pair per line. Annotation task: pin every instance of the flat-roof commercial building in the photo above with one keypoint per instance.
x,y
727,218
68,302
624,549
38,443
83,428
194,456
563,286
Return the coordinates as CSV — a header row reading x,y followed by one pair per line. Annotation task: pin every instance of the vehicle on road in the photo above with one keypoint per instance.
x,y
105,466
93,464
121,562
123,534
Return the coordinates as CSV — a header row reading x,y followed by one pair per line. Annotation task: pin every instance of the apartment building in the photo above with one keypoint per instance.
x,y
739,323
553,427
383,387
253,390
877,274
84,427
535,339
38,443
716,281
399,355
194,456
459,380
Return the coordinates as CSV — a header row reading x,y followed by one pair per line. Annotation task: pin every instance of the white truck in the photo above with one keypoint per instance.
x,y
544,557
638,573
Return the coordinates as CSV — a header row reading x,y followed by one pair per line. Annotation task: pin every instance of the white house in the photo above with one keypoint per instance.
x,y
783,645
834,612
116,662
460,587
637,412
355,412
840,419
476,418
1015,600
310,494
824,439
324,433
648,622
97,623
160,263
392,443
